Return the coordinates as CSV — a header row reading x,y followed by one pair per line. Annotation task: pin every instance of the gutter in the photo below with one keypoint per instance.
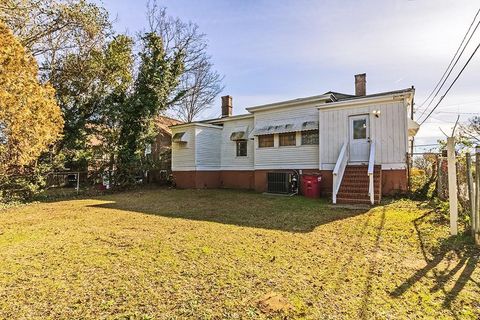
x,y
360,101
289,103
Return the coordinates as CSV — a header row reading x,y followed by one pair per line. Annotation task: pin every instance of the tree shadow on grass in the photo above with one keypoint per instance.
x,y
468,258
240,208
367,292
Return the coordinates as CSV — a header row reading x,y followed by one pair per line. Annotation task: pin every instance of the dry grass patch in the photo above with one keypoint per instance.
x,y
220,254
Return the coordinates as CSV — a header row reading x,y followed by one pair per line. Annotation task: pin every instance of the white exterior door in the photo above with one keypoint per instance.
x,y
359,135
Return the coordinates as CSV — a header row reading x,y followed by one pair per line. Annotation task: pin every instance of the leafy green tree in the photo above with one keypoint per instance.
x,y
92,91
157,78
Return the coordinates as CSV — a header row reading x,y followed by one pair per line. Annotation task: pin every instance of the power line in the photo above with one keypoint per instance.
x,y
459,104
450,64
427,145
451,85
451,61
453,112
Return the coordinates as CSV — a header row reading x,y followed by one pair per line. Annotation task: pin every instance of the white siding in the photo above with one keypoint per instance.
x,y
207,148
294,157
389,131
229,159
183,154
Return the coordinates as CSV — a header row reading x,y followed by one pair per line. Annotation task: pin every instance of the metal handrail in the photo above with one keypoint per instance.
x,y
339,170
371,168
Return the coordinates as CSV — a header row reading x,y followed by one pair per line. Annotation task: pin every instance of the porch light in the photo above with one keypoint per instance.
x,y
376,113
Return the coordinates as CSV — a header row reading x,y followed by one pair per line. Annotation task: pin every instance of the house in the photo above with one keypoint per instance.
x,y
158,153
356,143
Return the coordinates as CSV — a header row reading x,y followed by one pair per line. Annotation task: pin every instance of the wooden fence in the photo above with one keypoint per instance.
x,y
473,181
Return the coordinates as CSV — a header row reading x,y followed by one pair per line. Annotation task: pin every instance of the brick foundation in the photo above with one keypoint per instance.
x,y
196,179
237,179
393,181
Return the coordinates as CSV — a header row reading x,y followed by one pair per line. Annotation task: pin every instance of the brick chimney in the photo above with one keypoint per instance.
x,y
361,84
227,106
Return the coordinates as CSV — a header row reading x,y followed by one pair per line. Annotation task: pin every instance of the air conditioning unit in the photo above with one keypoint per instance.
x,y
279,182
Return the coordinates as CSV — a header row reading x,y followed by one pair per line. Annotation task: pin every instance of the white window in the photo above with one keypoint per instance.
x,y
241,148
310,137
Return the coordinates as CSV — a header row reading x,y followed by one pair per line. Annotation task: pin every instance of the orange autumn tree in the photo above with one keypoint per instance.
x,y
30,119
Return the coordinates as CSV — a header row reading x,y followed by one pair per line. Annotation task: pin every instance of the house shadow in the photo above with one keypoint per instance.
x,y
468,259
239,208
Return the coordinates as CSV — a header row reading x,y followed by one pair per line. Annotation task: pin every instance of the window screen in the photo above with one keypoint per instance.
x,y
360,129
309,137
265,141
241,148
287,139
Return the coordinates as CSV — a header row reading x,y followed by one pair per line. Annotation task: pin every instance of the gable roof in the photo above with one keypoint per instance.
x,y
288,103
344,97
164,123
329,97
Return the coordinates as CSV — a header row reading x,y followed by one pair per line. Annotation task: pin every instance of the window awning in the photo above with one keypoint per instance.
x,y
179,137
240,133
413,127
309,125
291,126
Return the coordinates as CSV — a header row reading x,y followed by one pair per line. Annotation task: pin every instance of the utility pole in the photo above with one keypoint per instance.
x,y
410,160
452,186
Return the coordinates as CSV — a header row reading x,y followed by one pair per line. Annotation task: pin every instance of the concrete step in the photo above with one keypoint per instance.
x,y
355,201
350,195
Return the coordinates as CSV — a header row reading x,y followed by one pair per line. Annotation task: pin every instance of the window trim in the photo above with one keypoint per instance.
x,y
237,142
309,144
267,135
287,134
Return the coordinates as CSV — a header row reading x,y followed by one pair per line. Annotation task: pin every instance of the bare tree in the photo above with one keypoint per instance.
x,y
200,84
471,130
51,29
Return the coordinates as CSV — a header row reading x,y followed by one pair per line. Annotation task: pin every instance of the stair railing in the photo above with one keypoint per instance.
x,y
339,170
371,169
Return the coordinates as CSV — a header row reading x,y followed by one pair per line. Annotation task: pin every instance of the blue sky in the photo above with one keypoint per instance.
x,y
276,50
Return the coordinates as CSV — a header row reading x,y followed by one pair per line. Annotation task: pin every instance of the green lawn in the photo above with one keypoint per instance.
x,y
176,254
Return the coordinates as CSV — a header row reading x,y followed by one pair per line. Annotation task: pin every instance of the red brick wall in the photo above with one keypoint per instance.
x,y
208,179
184,179
394,181
196,179
237,179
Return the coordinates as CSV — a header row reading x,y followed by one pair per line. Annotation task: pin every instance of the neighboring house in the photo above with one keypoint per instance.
x,y
159,152
357,143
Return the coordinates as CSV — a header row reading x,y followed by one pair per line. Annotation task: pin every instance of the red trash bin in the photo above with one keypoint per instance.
x,y
311,185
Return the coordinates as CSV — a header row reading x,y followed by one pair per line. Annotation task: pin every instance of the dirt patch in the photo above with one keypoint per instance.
x,y
274,302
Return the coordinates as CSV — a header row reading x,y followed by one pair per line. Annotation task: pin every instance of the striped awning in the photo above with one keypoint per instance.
x,y
291,126
239,133
413,127
309,125
179,137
